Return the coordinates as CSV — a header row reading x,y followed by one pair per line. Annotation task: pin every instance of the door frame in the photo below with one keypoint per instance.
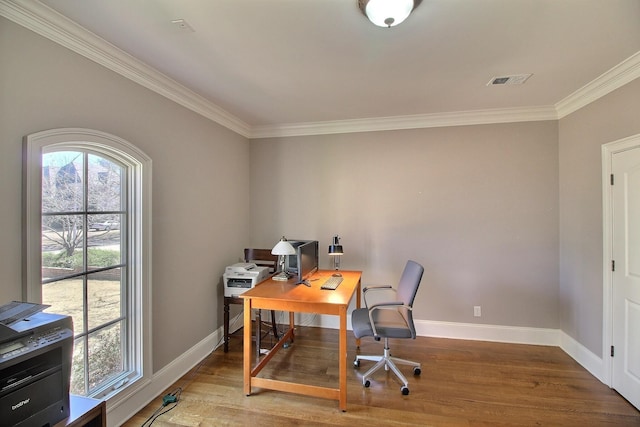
x,y
608,150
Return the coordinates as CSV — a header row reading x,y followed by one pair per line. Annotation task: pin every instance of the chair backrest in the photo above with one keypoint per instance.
x,y
409,282
261,258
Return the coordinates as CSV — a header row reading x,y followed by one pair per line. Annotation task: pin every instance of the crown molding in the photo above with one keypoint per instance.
x,y
459,118
618,76
48,23
43,20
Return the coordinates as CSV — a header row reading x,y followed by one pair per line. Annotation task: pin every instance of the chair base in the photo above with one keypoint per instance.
x,y
388,362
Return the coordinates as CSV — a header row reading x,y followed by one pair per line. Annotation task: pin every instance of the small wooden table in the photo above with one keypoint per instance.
x,y
287,296
85,412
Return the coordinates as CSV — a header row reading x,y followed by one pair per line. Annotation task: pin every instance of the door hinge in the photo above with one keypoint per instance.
x,y
612,179
613,265
612,351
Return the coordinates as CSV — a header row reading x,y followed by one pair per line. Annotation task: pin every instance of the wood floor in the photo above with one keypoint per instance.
x,y
463,383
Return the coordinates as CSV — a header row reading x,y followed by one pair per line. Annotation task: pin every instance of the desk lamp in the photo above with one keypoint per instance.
x,y
282,249
335,250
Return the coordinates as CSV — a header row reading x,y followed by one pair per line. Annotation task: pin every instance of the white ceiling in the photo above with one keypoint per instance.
x,y
271,63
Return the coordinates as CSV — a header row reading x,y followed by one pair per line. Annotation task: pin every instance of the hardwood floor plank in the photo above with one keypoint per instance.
x,y
463,383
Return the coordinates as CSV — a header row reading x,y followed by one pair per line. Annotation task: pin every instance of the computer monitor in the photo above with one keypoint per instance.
x,y
291,261
307,255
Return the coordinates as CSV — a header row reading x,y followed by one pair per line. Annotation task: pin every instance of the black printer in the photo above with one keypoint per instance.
x,y
35,365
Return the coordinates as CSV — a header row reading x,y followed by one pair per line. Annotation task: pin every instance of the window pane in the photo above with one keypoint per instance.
x,y
62,189
62,241
65,297
77,368
104,297
104,185
104,240
105,354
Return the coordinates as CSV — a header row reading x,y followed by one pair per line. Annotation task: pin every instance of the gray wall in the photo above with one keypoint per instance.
x,y
200,201
581,136
476,205
505,216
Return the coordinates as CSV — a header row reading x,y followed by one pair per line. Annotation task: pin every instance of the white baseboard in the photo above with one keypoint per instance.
x,y
582,355
143,395
468,331
118,413
482,332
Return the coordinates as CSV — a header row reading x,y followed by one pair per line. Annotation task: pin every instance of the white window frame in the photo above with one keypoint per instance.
x,y
139,246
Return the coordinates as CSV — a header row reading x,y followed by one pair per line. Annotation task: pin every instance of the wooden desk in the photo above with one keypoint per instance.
x,y
286,296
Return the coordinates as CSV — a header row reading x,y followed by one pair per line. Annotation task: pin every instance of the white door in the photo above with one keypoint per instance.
x,y
626,274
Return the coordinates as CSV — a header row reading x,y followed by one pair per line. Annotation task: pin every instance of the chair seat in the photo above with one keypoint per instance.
x,y
389,323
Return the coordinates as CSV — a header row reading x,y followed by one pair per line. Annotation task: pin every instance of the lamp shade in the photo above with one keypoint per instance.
x,y
387,13
283,248
336,248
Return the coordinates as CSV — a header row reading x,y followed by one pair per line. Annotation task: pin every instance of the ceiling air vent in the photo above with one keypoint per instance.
x,y
516,79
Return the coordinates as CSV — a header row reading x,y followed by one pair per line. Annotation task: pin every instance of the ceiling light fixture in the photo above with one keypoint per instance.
x,y
387,13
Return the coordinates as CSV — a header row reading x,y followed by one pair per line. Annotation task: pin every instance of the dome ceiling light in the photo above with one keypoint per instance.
x,y
387,13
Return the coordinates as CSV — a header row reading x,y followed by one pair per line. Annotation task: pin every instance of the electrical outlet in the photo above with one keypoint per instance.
x,y
477,310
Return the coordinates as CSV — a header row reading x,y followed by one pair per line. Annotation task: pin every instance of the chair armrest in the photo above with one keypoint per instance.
x,y
387,304
387,288
382,306
376,287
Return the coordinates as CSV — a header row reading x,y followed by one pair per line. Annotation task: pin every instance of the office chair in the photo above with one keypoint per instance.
x,y
391,318
264,258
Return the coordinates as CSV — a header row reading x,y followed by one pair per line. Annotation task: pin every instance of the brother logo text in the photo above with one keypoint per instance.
x,y
18,405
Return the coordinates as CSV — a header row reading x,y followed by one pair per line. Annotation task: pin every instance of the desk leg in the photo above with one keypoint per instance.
x,y
258,333
226,324
342,351
246,350
292,325
274,325
358,303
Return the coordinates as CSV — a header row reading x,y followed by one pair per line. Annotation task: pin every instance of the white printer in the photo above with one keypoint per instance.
x,y
241,277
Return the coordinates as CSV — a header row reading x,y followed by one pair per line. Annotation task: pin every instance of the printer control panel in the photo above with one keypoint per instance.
x,y
32,342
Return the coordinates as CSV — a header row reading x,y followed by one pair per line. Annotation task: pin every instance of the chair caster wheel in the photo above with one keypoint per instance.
x,y
405,391
356,363
367,383
416,371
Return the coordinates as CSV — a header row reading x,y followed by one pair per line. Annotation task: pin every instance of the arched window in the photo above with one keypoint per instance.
x,y
87,250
